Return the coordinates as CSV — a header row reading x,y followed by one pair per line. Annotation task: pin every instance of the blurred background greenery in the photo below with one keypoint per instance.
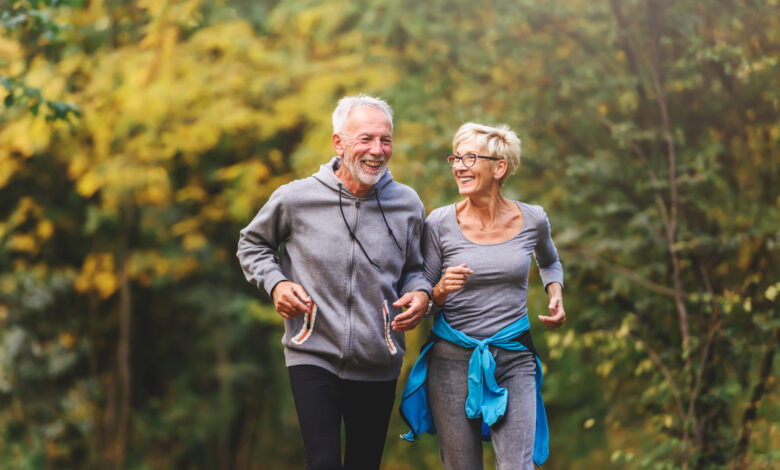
x,y
138,138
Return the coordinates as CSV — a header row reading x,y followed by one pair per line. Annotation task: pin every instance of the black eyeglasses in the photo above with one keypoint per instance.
x,y
469,160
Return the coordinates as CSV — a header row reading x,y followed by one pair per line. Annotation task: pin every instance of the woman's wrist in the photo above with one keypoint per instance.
x,y
438,296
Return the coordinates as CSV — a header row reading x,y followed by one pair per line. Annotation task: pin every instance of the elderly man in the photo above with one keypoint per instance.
x,y
339,253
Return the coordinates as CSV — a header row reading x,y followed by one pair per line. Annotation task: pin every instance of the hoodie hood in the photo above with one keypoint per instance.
x,y
327,176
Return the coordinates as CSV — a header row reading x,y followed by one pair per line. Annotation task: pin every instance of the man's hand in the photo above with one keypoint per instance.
x,y
416,303
291,300
557,316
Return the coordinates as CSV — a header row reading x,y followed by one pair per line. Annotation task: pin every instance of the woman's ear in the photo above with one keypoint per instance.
x,y
500,169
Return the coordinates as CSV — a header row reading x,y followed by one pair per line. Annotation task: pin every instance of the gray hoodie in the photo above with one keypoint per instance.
x,y
302,234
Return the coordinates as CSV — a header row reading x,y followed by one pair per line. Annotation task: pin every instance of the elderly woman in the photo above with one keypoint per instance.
x,y
478,374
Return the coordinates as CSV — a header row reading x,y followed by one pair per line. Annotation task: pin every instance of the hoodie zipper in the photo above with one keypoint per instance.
x,y
350,288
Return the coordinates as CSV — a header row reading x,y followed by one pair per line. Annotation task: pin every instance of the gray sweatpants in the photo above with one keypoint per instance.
x,y
459,437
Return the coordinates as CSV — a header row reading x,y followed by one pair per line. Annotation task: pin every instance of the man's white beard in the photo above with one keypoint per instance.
x,y
356,168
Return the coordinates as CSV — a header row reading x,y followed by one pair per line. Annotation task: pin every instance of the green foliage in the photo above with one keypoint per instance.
x,y
650,135
32,22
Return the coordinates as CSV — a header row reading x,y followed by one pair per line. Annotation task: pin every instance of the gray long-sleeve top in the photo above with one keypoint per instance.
x,y
495,295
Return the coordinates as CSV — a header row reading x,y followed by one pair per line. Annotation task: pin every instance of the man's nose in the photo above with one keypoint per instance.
x,y
376,147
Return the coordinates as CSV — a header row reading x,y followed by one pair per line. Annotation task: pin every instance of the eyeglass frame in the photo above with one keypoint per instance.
x,y
461,159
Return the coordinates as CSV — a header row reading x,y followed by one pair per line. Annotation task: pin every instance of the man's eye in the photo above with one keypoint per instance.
x,y
387,141
365,140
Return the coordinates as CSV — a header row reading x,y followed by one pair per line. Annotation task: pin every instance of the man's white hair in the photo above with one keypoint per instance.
x,y
348,103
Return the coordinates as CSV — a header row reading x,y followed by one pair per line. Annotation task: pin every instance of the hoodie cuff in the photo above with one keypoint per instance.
x,y
418,285
272,280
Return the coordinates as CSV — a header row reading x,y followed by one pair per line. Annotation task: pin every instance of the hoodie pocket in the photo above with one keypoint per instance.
x,y
307,329
388,330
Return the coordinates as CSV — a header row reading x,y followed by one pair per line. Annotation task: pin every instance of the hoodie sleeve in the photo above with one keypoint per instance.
x,y
259,242
413,277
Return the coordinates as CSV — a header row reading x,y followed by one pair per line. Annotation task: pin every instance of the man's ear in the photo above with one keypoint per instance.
x,y
338,145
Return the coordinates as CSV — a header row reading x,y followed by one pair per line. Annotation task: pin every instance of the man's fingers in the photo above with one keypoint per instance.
x,y
296,304
406,324
405,299
301,294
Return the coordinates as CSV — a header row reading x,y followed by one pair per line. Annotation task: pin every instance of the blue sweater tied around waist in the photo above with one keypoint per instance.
x,y
485,400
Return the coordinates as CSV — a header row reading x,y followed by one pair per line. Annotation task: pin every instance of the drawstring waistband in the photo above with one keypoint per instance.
x,y
354,237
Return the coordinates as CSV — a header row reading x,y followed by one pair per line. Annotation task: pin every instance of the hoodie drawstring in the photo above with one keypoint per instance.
x,y
389,230
354,237
352,234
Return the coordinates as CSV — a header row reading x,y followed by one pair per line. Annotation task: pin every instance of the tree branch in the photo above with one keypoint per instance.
x,y
633,276
750,413
656,358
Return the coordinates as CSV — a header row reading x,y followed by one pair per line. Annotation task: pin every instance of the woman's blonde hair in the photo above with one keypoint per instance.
x,y
500,142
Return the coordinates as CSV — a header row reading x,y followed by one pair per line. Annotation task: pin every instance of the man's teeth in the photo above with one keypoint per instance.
x,y
466,179
372,164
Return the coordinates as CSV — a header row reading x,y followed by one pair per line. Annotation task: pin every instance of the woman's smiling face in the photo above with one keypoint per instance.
x,y
477,179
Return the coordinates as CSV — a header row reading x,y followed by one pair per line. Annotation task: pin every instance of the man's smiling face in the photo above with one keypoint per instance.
x,y
365,146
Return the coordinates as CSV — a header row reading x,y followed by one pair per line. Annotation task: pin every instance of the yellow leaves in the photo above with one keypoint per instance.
x,y
645,365
79,163
97,275
265,313
589,423
668,420
553,339
564,50
628,101
67,339
22,242
185,226
191,193
27,213
194,241
226,38
25,136
605,368
120,179
10,50
88,184
8,167
147,265
558,343
771,291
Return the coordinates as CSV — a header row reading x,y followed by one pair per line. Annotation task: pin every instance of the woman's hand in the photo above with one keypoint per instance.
x,y
454,278
557,316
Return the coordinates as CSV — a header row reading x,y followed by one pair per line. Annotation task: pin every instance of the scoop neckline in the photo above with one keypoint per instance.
x,y
463,235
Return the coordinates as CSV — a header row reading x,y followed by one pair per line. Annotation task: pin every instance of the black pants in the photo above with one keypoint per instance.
x,y
323,400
